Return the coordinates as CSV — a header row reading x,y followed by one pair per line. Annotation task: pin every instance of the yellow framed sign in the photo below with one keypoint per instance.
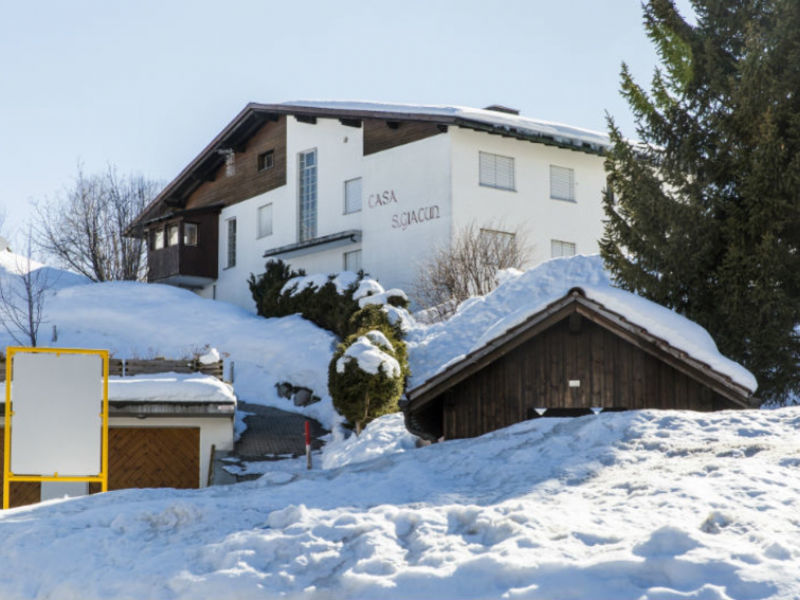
x,y
56,416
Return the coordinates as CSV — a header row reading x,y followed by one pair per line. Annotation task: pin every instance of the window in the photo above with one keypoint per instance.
x,y
560,248
172,235
498,239
158,239
231,262
352,261
562,183
266,160
190,234
265,220
496,171
352,195
307,192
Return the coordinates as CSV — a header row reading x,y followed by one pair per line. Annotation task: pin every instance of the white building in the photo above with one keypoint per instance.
x,y
327,186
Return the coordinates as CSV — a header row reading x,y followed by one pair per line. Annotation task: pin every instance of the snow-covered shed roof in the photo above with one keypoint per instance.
x,y
170,394
682,341
495,119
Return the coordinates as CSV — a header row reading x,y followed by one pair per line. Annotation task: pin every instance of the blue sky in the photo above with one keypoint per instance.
x,y
145,85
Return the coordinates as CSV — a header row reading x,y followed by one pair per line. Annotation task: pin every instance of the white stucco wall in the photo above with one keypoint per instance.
x,y
406,208
530,206
339,150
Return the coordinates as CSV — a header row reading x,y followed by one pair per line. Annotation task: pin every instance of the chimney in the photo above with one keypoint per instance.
x,y
502,109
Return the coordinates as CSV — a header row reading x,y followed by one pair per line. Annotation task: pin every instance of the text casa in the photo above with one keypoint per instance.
x,y
382,198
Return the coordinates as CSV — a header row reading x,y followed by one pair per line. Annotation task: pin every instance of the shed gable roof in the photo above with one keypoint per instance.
x,y
576,300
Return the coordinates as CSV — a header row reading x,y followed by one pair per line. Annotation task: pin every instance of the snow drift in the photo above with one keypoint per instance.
x,y
618,506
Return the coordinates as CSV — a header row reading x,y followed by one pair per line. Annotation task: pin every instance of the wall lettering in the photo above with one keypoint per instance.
x,y
381,199
414,217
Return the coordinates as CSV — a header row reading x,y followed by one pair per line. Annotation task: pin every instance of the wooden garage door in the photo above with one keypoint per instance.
x,y
22,492
143,457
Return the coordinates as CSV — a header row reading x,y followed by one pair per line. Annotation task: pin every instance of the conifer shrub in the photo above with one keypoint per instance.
x,y
266,289
323,305
366,377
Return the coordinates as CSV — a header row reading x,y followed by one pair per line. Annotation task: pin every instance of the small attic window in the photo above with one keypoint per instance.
x,y
266,160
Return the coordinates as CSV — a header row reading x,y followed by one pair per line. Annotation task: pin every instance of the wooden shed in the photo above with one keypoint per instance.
x,y
574,356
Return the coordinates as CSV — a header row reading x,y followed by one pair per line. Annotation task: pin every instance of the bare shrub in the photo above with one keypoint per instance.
x,y
468,267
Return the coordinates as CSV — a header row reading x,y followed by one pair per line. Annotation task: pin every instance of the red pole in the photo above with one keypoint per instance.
x,y
308,445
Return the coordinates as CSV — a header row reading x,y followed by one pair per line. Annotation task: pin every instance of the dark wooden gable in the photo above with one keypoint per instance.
x,y
571,357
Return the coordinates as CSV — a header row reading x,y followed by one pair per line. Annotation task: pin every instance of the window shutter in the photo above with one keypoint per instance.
x,y
562,183
496,171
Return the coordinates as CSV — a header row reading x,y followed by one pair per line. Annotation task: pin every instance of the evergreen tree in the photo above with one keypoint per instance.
x,y
704,215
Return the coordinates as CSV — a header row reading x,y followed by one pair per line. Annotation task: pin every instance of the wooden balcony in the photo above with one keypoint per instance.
x,y
189,261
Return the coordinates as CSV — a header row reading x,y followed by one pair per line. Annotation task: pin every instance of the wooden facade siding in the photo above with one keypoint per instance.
x,y
613,373
22,492
379,135
247,181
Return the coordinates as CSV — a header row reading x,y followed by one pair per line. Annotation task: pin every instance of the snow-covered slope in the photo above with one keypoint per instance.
x,y
620,506
137,320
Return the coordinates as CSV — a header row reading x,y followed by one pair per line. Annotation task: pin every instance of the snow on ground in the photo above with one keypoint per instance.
x,y
623,506
137,320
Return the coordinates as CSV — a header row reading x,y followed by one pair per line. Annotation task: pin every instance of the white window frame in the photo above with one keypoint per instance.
x,y
360,196
557,248
352,254
187,238
558,172
261,231
173,234
307,196
490,167
230,243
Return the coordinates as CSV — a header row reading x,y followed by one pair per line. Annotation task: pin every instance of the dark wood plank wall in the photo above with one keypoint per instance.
x,y
248,181
379,136
613,373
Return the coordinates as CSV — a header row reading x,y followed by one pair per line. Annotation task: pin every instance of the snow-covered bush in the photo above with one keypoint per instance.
x,y
326,300
367,374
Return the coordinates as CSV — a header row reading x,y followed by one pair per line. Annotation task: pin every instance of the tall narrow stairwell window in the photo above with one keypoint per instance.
x,y
231,258
307,191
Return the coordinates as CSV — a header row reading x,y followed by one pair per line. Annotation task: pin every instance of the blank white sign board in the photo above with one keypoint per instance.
x,y
56,427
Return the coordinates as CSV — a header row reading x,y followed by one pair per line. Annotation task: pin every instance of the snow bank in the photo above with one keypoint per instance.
x,y
646,504
430,348
170,387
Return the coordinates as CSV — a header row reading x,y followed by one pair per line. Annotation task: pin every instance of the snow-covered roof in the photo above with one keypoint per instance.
x,y
509,122
192,388
482,319
250,119
683,339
